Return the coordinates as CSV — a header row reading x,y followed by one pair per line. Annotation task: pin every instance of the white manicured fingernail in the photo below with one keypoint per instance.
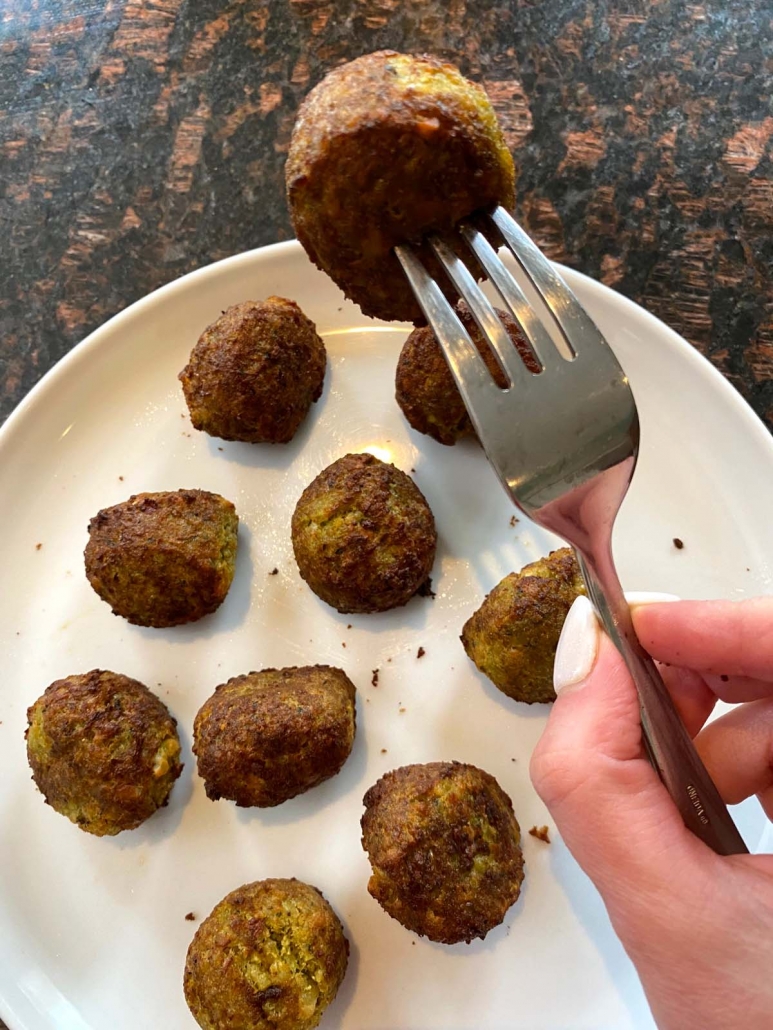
x,y
578,645
638,598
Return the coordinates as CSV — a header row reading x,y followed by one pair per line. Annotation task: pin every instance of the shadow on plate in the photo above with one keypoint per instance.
x,y
589,909
334,1016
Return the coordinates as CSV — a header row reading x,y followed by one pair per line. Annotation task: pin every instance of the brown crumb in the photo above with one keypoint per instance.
x,y
121,478
343,643
374,678
220,448
425,590
383,750
190,916
38,546
678,544
724,677
389,659
514,521
274,572
413,943
402,710
513,759
348,625
420,653
414,471
541,833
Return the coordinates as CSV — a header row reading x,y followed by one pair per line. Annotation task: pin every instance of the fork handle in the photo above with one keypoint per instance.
x,y
667,742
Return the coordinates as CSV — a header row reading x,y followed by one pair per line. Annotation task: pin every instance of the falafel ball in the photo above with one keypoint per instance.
x,y
163,559
363,535
255,372
103,749
386,149
270,956
513,636
445,848
425,388
268,736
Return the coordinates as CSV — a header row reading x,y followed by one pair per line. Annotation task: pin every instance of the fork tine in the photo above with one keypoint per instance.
x,y
465,361
569,315
483,313
539,339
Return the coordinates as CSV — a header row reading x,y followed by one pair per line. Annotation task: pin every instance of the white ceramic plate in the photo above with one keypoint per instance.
x,y
92,931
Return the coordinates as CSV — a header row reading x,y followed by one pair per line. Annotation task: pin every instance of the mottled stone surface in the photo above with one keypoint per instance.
x,y
142,138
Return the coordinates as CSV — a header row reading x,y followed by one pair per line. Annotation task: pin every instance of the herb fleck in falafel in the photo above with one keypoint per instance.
x,y
268,736
270,956
512,637
163,559
255,372
425,388
386,149
363,535
445,848
103,750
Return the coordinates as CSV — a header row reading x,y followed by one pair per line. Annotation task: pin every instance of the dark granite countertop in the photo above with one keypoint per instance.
x,y
142,138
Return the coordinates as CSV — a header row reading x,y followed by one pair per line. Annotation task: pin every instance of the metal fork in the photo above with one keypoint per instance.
x,y
564,443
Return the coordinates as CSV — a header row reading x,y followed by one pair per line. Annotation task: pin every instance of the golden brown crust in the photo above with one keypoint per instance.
x,y
386,149
363,535
255,372
267,736
445,849
512,637
103,750
270,956
425,388
162,559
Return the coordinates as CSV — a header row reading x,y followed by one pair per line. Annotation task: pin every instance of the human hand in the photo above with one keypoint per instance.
x,y
698,926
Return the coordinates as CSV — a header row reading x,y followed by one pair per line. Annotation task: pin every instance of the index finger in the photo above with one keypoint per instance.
x,y
715,638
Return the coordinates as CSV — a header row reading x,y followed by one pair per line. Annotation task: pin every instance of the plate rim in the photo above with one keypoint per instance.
x,y
82,350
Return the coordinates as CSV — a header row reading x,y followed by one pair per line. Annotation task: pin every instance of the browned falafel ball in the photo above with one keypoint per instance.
x,y
445,848
103,749
363,535
163,559
268,736
270,956
425,388
386,149
513,636
255,372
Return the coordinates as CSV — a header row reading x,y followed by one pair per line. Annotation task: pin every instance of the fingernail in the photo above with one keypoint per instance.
x,y
638,598
578,645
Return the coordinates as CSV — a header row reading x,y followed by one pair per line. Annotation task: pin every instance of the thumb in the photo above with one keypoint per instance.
x,y
589,768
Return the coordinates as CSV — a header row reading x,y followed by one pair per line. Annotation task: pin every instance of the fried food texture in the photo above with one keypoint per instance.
x,y
103,750
445,848
512,637
386,149
162,559
270,956
363,535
